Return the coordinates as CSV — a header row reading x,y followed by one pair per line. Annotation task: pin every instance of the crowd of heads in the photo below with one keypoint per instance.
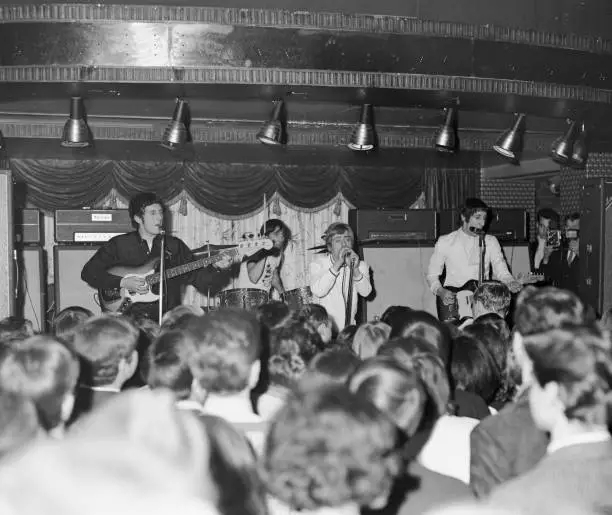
x,y
342,416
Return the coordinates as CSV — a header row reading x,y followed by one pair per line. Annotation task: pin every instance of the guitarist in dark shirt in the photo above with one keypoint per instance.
x,y
141,246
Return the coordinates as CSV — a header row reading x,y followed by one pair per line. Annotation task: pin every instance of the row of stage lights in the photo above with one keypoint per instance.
x,y
569,149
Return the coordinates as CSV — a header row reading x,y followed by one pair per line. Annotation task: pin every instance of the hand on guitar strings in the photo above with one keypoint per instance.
x,y
134,284
447,296
224,263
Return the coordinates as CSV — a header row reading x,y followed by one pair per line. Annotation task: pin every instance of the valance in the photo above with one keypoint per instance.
x,y
230,189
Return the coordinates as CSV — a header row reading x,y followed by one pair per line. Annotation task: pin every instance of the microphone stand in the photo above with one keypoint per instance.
x,y
481,261
162,271
349,296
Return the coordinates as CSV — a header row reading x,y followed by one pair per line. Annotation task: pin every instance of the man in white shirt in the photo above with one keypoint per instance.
x,y
330,275
459,253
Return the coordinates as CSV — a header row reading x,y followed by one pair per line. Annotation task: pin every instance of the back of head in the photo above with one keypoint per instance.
x,y
344,338
394,389
102,342
272,314
18,422
233,467
495,336
225,345
14,329
327,448
493,297
369,337
335,365
542,309
180,316
43,370
168,364
394,316
579,360
314,313
68,320
474,369
424,325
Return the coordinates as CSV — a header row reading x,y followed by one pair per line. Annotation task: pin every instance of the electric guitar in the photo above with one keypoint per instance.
x,y
120,299
461,306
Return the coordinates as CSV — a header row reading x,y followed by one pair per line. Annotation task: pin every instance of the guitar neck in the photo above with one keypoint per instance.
x,y
191,266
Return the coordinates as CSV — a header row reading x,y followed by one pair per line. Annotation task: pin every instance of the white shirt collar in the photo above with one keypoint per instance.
x,y
189,405
598,436
102,388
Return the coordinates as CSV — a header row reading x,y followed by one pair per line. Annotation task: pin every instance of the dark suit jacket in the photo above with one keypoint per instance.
x,y
470,405
557,272
504,446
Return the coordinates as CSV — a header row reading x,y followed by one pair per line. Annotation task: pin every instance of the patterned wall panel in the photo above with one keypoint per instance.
x,y
510,194
571,189
6,244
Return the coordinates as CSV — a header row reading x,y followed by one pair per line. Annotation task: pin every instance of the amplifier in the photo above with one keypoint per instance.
x,y
504,224
28,227
90,225
394,226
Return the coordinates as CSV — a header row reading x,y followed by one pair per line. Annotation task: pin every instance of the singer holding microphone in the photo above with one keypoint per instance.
x,y
460,253
338,276
136,248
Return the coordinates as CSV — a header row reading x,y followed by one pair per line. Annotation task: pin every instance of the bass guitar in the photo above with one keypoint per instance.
x,y
120,299
461,306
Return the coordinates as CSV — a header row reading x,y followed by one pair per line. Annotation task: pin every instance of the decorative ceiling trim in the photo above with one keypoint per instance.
x,y
297,78
299,19
227,132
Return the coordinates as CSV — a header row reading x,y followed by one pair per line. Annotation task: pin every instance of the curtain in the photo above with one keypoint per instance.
x,y
232,190
448,188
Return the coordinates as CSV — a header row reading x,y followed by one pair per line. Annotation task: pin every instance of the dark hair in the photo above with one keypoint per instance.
x,y
14,329
471,206
493,331
168,365
572,217
274,224
68,319
271,314
18,422
494,296
344,339
43,370
578,358
549,214
179,317
394,315
102,342
233,468
140,202
225,344
334,365
542,309
424,325
395,390
314,313
327,447
474,369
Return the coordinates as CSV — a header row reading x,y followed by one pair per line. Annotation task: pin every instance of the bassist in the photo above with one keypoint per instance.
x,y
140,246
459,253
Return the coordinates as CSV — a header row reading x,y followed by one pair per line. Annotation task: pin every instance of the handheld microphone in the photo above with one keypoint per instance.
x,y
476,230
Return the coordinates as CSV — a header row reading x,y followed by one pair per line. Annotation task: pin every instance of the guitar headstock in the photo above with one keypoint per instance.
x,y
530,278
251,246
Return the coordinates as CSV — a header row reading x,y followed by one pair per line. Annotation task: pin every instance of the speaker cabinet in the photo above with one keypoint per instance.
x,y
70,289
7,293
398,278
504,224
394,226
32,285
596,244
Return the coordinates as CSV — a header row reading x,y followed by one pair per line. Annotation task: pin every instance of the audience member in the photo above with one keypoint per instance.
x,y
180,316
491,297
237,485
329,450
14,329
168,366
344,338
335,365
18,423
509,444
67,320
106,345
44,371
399,394
369,337
570,398
318,317
148,330
474,369
225,346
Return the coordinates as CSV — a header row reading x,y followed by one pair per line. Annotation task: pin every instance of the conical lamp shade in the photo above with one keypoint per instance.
x,y
562,148
76,132
364,135
510,143
580,152
274,132
176,134
447,139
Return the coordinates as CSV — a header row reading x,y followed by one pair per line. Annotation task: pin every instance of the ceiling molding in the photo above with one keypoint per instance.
x,y
301,19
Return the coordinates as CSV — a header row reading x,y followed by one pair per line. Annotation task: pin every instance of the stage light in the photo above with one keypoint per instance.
x,y
364,135
447,138
274,131
177,134
76,132
510,143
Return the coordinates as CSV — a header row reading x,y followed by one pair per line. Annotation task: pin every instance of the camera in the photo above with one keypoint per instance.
x,y
553,239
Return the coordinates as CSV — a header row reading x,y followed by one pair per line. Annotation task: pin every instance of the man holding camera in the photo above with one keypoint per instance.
x,y
555,253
